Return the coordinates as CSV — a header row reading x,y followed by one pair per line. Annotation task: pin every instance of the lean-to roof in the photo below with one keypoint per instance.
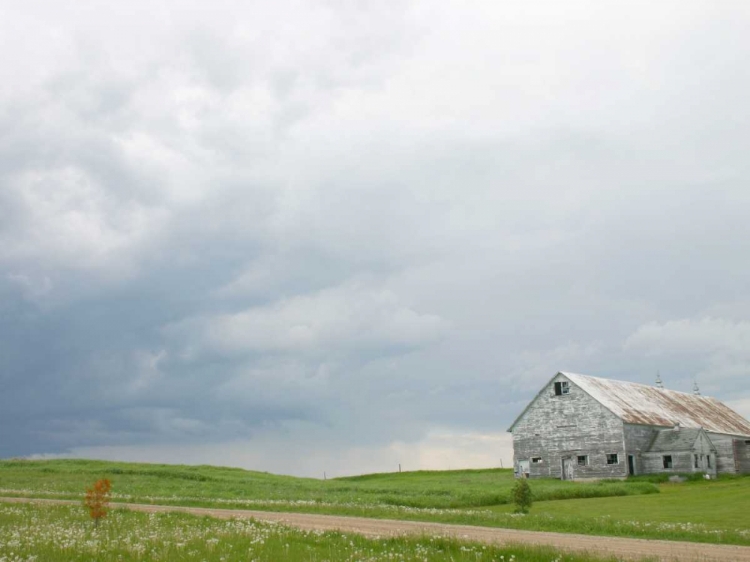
x,y
671,440
647,405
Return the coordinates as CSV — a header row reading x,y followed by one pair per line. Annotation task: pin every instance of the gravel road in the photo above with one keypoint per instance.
x,y
622,548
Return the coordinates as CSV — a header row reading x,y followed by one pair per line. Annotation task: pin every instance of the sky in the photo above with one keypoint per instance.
x,y
308,237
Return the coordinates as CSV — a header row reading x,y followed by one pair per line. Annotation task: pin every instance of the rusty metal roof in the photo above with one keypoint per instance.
x,y
648,405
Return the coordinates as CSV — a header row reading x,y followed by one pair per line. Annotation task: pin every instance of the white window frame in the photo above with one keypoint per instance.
x,y
617,458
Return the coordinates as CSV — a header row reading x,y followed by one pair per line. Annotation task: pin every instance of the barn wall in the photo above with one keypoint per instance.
x,y
742,450
575,424
653,463
637,440
725,463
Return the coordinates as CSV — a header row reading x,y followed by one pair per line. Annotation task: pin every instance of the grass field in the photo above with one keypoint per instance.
x,y
196,485
715,511
50,534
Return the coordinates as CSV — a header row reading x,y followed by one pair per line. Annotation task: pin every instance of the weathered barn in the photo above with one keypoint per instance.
x,y
587,427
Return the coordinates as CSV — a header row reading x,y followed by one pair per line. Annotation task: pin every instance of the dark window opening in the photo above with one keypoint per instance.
x,y
667,461
562,387
695,461
708,461
747,442
612,458
583,460
536,460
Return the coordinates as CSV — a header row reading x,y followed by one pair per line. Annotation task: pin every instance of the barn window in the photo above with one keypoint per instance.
x,y
695,461
667,461
562,387
536,460
612,458
583,460
708,461
747,442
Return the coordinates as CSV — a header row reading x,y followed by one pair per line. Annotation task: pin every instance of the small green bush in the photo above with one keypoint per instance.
x,y
521,495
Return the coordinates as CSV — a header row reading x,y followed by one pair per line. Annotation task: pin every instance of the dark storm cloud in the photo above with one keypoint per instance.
x,y
272,232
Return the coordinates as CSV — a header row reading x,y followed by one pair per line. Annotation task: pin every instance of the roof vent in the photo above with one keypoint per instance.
x,y
696,390
677,426
659,384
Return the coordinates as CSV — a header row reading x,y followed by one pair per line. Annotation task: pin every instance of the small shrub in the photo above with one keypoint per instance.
x,y
97,500
521,495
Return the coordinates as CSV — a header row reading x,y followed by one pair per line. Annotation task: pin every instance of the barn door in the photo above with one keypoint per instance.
x,y
567,469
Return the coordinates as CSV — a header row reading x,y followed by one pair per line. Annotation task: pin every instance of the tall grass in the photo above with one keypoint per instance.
x,y
35,534
602,489
663,478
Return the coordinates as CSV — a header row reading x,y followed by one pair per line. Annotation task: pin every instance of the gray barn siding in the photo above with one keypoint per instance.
x,y
742,450
704,447
637,440
725,462
653,463
575,424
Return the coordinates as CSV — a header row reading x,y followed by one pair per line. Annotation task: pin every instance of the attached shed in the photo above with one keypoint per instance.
x,y
680,450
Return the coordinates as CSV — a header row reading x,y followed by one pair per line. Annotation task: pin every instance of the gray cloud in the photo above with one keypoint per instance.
x,y
375,229
351,317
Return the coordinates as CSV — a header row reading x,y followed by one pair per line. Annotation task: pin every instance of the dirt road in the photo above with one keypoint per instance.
x,y
623,548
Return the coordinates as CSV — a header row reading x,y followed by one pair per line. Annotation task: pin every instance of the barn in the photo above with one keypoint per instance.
x,y
580,427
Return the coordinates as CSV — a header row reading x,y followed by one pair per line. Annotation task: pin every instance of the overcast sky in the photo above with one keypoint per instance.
x,y
308,236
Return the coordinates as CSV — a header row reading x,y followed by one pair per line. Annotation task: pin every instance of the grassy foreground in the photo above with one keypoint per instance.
x,y
49,534
714,512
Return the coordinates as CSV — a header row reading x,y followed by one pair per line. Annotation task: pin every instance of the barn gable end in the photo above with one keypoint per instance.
x,y
564,427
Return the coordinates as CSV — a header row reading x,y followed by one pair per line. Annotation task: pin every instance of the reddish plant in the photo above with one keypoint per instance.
x,y
97,500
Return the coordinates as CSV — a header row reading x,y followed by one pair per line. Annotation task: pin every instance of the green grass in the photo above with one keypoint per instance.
x,y
49,534
696,510
715,505
201,484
